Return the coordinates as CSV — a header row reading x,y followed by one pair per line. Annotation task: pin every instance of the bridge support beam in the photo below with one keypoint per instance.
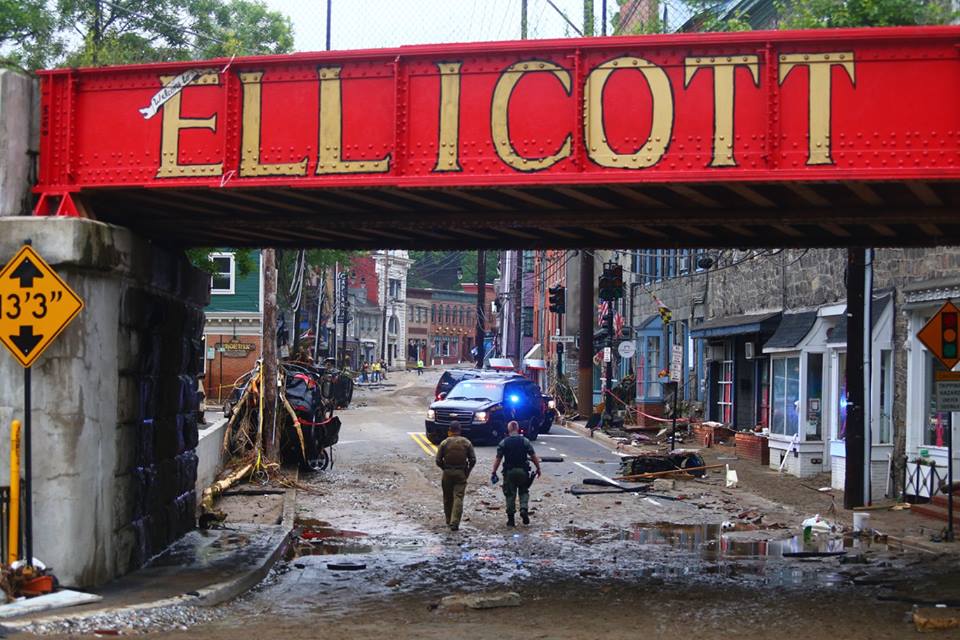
x,y
114,399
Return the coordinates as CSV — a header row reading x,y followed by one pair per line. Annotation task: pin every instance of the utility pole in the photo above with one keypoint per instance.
x,y
523,19
518,304
603,13
585,357
607,395
853,475
344,313
481,303
386,296
329,15
268,395
321,291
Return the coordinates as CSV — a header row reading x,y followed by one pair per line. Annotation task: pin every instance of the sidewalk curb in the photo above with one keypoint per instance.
x,y
209,596
230,589
597,436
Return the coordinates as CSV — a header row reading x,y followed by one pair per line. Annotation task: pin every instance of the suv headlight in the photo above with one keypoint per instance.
x,y
481,416
552,404
431,414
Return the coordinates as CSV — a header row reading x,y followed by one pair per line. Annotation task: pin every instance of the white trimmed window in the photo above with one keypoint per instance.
x,y
224,278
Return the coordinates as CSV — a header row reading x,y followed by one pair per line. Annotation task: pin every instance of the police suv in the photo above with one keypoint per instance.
x,y
484,405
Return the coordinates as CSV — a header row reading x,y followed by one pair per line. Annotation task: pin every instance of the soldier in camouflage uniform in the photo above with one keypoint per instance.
x,y
456,457
515,451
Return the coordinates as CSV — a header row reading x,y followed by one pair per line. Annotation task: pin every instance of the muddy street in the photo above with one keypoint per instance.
x,y
371,553
374,555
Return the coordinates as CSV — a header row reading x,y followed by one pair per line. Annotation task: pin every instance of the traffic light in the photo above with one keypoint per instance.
x,y
948,334
611,282
558,296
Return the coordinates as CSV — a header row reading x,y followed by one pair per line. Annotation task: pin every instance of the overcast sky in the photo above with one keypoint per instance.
x,y
361,24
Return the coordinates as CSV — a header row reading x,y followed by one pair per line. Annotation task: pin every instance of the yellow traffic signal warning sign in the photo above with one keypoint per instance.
x,y
940,335
35,305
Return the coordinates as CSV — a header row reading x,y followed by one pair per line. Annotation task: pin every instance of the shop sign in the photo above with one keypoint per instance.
x,y
234,349
948,391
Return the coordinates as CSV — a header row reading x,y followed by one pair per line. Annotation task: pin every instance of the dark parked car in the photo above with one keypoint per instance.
x,y
549,414
484,405
451,377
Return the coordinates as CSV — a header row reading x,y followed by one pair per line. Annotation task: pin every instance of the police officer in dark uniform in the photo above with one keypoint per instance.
x,y
515,451
456,457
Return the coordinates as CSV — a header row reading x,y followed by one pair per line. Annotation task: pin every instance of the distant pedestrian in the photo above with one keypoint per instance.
x,y
456,457
365,372
419,366
376,371
383,369
516,452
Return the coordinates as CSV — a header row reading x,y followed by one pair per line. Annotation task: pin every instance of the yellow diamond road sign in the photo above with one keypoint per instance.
x,y
35,305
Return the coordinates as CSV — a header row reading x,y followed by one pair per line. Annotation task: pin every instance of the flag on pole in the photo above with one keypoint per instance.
x,y
602,309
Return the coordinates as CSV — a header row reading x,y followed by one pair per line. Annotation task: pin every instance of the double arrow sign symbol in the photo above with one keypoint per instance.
x,y
26,272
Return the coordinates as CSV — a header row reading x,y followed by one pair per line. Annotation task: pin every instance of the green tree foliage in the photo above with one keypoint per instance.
x,y
447,269
28,33
43,33
813,14
718,15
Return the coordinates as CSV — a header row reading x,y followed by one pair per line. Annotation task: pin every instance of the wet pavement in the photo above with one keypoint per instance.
x,y
371,554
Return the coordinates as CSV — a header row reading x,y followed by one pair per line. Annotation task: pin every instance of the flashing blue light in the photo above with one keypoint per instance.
x,y
514,398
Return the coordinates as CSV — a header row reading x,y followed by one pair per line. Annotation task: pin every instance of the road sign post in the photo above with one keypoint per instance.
x,y
940,336
35,306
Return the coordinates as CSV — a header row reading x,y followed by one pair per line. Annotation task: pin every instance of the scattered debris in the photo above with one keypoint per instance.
x,y
731,477
816,524
664,484
936,618
488,600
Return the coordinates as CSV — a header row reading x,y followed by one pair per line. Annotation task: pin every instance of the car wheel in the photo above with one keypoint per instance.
x,y
532,432
545,428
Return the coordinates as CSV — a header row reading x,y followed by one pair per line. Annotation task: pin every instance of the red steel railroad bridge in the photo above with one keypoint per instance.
x,y
847,137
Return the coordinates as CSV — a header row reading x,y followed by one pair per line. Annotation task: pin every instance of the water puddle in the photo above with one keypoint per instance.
x,y
328,548
714,541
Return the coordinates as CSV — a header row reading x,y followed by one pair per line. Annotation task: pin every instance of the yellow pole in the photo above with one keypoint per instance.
x,y
13,546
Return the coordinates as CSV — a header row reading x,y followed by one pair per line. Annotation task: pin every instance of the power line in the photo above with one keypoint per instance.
x,y
564,16
156,22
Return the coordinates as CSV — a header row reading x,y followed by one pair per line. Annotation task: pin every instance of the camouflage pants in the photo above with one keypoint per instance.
x,y
515,482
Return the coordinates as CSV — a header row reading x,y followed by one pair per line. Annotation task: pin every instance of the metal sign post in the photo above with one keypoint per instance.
x,y
27,470
948,399
35,306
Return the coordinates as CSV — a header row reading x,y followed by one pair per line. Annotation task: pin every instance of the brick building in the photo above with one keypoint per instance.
x,y
442,325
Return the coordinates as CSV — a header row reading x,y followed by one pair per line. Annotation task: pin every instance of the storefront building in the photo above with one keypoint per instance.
x,y
928,431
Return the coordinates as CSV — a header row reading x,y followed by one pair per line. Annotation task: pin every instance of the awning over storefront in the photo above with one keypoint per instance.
x,y
838,334
765,323
792,329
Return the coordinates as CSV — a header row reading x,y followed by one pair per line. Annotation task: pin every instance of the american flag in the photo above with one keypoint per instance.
x,y
602,310
618,325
